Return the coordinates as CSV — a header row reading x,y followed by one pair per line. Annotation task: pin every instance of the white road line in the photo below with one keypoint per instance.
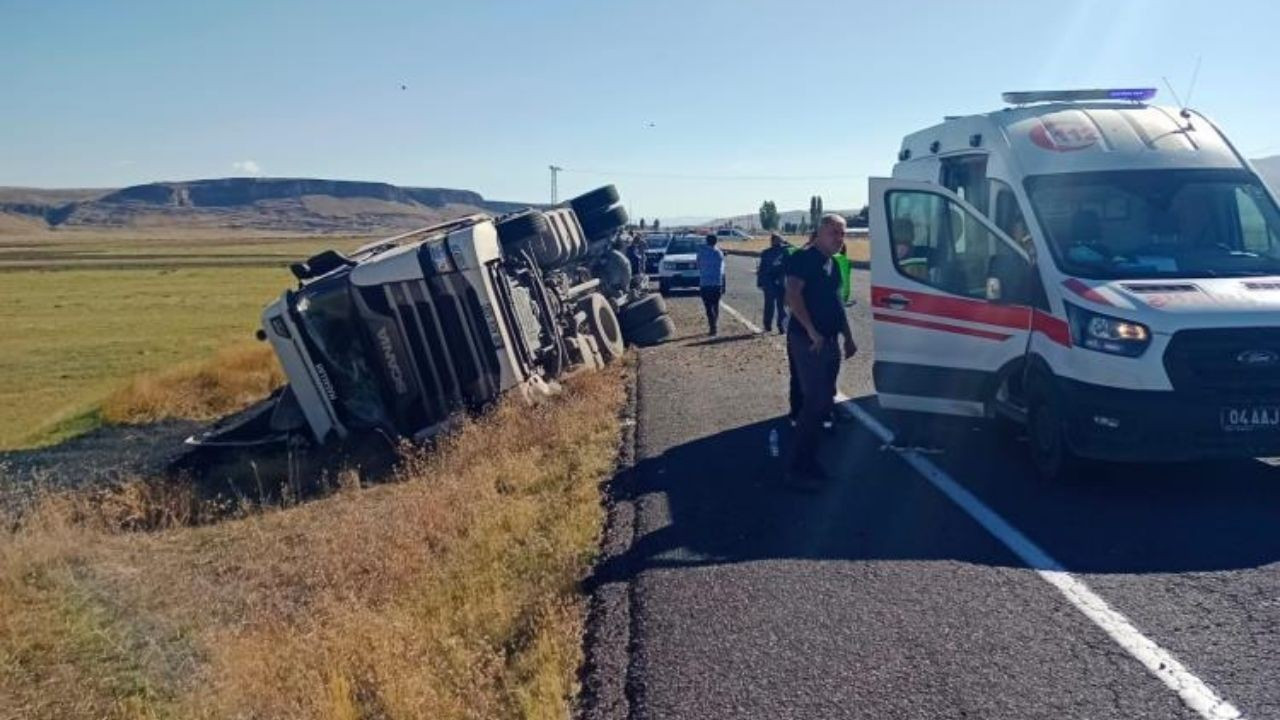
x,y
1195,693
740,318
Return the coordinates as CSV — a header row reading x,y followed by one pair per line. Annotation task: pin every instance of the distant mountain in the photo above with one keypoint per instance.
x,y
288,204
1269,169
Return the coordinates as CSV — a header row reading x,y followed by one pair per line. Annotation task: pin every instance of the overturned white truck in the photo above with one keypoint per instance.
x,y
400,337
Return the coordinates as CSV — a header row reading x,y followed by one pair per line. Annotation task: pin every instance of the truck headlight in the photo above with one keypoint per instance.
x,y
1107,334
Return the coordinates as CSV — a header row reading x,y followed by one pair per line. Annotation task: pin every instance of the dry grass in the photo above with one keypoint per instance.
x,y
106,306
451,593
234,378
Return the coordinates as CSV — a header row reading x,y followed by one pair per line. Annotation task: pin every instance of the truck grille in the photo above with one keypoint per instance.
x,y
454,359
1214,361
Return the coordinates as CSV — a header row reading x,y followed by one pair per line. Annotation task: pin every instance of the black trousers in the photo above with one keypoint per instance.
x,y
711,301
774,303
817,373
795,393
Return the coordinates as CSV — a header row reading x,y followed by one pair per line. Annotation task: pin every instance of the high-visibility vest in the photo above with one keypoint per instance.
x,y
842,264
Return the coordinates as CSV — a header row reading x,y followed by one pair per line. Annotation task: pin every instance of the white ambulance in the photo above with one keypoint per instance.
x,y
1104,270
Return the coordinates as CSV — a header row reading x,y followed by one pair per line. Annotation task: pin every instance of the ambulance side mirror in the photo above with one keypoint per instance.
x,y
1008,280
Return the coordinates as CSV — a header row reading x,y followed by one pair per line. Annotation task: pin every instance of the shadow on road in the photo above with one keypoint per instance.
x,y
723,339
726,506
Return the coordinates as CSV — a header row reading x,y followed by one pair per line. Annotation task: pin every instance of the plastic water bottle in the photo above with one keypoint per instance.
x,y
773,443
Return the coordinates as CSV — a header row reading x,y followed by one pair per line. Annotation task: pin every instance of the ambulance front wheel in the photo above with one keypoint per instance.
x,y
1047,436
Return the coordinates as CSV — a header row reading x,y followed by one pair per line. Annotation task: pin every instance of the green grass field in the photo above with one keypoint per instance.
x,y
82,313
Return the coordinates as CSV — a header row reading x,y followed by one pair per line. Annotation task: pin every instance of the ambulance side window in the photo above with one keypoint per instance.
x,y
1256,235
966,176
1007,215
939,243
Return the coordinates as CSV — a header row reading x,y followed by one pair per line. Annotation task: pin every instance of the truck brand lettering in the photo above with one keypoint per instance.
x,y
393,364
325,383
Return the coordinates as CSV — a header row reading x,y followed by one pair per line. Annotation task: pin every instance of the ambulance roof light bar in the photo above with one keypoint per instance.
x,y
1138,95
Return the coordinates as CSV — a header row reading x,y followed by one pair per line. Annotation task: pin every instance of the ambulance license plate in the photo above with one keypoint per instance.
x,y
1247,419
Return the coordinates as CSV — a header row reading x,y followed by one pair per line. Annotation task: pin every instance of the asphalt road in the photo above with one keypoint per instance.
x,y
881,597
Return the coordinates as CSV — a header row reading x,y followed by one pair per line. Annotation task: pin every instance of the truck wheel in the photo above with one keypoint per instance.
x,y
604,326
641,311
603,224
517,228
614,270
657,330
1046,436
591,203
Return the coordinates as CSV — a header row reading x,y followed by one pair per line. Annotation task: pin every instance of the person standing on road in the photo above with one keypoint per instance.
x,y
711,280
817,318
771,279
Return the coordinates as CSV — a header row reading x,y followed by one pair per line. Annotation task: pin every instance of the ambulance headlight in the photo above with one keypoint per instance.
x,y
1107,334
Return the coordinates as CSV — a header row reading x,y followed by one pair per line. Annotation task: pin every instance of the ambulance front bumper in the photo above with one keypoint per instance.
x,y
1107,423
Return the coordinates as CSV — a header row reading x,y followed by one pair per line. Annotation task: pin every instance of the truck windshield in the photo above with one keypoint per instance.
x,y
1158,223
328,318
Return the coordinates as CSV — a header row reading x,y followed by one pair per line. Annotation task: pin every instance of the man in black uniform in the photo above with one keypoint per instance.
x,y
770,276
817,318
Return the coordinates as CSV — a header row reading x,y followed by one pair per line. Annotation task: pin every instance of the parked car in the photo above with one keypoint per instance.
x,y
679,265
655,246
732,234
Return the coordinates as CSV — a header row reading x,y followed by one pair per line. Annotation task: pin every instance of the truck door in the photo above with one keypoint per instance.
x,y
950,299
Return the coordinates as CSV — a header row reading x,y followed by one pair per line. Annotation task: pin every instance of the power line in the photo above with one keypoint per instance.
x,y
681,176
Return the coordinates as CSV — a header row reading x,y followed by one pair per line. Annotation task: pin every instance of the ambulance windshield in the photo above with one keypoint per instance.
x,y
1158,223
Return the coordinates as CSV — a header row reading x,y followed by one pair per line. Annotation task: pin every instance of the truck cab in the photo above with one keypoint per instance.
x,y
1104,270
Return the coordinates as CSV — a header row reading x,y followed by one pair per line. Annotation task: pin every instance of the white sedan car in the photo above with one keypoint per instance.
x,y
679,265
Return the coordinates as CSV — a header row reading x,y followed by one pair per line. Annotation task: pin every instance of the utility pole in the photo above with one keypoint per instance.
x,y
554,195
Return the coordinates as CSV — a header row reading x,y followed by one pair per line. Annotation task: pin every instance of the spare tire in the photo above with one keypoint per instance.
x,y
591,203
603,224
520,227
641,311
604,326
657,330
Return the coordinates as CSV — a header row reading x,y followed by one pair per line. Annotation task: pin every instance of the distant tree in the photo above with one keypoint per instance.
x,y
815,210
641,223
655,223
768,215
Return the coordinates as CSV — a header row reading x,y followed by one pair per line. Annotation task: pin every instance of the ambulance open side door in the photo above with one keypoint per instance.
x,y
950,300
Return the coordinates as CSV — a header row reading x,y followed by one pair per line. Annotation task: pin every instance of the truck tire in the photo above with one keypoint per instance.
x,y
614,270
654,332
604,326
1047,438
603,224
520,227
595,201
641,311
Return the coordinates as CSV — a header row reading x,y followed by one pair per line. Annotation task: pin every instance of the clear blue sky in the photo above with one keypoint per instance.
x,y
100,94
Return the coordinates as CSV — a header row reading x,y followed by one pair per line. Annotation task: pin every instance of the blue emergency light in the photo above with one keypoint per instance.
x,y
1130,94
